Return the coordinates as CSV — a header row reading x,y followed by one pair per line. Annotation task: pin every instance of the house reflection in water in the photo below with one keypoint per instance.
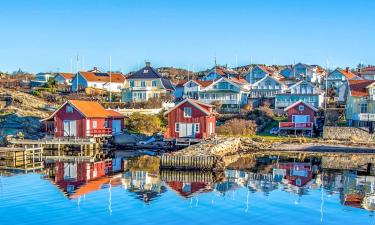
x,y
79,178
145,185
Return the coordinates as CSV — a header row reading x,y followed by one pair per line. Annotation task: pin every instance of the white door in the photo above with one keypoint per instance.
x,y
301,118
186,130
70,128
116,126
211,129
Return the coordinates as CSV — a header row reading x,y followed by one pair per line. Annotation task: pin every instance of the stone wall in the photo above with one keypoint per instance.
x,y
347,133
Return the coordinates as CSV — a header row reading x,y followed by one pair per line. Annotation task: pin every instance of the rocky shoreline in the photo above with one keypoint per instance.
x,y
220,147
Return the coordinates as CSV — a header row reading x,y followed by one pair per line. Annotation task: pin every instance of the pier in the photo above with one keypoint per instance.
x,y
188,162
23,159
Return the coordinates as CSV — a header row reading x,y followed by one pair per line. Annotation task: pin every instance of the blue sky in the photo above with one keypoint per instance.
x,y
43,35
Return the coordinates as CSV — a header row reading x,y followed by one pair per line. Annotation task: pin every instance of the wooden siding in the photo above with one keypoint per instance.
x,y
295,111
177,116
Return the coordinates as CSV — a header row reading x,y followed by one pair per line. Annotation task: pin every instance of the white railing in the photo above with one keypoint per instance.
x,y
366,116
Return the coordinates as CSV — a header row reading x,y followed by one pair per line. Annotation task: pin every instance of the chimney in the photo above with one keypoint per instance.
x,y
347,69
148,64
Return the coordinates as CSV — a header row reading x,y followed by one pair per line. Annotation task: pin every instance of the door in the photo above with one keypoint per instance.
x,y
116,126
70,128
186,130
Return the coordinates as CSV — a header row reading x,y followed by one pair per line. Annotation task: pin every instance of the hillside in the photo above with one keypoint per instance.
x,y
176,74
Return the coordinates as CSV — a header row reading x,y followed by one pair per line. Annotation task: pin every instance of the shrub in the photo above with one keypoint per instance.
x,y
217,104
267,111
248,108
142,123
237,127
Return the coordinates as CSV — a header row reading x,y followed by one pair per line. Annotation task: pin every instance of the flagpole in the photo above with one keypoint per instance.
x,y
110,78
77,72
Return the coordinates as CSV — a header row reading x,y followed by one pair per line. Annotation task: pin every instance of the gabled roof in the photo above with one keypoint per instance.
x,y
202,83
146,72
239,80
358,88
167,83
347,73
222,71
300,82
103,77
199,105
227,80
266,77
298,102
265,69
66,76
89,109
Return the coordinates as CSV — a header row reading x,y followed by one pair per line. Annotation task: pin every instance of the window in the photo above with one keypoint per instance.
x,y
197,128
106,124
94,124
143,83
364,108
132,83
153,83
187,111
69,109
177,127
301,108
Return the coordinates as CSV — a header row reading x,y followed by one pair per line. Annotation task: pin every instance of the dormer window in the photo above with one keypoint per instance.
x,y
69,109
301,108
145,71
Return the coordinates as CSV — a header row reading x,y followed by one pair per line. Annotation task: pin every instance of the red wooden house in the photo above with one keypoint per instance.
x,y
83,119
301,119
191,119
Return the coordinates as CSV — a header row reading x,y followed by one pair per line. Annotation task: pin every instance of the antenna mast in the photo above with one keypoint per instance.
x,y
110,78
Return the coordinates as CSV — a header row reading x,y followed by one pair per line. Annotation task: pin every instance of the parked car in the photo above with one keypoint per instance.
x,y
274,130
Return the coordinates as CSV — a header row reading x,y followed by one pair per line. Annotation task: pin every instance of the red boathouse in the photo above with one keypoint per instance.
x,y
191,119
301,119
84,119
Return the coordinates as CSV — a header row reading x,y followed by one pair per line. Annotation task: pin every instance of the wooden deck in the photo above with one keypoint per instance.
x,y
187,162
24,159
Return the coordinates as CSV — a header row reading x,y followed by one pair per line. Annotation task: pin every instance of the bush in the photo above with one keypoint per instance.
x,y
248,108
237,127
267,111
146,124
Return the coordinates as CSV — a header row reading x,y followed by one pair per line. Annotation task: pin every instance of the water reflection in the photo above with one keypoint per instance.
x,y
143,181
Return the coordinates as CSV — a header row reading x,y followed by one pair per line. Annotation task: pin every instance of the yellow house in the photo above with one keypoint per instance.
x,y
360,104
144,84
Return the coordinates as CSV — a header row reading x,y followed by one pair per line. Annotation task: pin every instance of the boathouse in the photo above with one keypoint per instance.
x,y
84,119
190,119
301,119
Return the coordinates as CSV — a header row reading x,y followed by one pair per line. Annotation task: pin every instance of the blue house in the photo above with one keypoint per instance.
x,y
218,72
338,77
257,73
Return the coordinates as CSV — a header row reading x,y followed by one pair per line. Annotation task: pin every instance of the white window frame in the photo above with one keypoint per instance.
x,y
94,124
69,109
106,124
186,112
301,108
177,127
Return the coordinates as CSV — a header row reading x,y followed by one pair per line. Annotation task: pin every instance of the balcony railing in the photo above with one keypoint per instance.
x,y
140,88
366,116
295,125
89,133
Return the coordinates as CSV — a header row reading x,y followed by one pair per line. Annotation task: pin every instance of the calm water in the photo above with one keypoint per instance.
x,y
269,191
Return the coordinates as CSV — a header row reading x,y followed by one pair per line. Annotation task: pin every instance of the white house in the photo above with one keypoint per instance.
x,y
231,93
113,82
265,89
304,91
311,73
40,79
64,78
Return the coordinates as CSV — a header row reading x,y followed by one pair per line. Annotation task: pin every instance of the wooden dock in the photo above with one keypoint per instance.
x,y
187,176
24,159
187,162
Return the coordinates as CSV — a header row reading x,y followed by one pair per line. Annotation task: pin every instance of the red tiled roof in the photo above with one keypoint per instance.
x,y
180,83
238,80
358,87
204,83
67,75
103,77
91,109
347,73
